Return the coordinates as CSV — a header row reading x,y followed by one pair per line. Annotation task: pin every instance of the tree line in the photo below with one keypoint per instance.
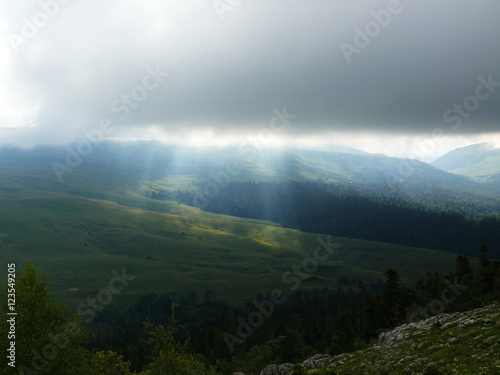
x,y
427,219
160,334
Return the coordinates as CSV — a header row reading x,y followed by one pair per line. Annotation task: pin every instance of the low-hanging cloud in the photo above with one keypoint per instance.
x,y
227,74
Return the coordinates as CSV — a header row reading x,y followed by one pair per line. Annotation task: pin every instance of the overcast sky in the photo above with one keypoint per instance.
x,y
225,65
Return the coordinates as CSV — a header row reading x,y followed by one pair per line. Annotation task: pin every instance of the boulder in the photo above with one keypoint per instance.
x,y
277,369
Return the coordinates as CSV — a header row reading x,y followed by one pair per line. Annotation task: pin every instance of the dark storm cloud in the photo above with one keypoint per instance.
x,y
229,74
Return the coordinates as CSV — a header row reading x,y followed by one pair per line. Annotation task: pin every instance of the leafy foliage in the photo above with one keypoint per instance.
x,y
47,339
172,358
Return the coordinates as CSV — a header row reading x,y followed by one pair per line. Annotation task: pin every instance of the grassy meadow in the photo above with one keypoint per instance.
x,y
78,241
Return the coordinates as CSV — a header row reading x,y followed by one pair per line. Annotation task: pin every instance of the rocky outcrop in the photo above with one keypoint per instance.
x,y
316,361
283,369
401,346
442,321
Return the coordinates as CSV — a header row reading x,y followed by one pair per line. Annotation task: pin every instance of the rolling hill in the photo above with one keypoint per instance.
x,y
480,161
120,211
78,241
118,171
101,217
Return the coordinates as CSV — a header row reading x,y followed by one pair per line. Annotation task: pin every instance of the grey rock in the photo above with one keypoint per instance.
x,y
277,369
317,361
396,337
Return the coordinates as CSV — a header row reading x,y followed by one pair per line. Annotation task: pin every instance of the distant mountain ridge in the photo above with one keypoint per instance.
x,y
155,160
382,192
113,169
478,161
333,147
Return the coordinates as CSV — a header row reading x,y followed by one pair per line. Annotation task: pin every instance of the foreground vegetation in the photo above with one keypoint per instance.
x,y
459,343
49,340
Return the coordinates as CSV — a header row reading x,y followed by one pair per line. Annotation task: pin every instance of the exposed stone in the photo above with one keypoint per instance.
x,y
317,361
396,337
277,369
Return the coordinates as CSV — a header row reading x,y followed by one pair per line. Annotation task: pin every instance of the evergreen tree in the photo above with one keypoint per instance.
x,y
483,249
109,363
463,267
172,358
393,299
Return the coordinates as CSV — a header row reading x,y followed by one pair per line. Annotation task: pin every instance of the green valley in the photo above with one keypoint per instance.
x,y
78,241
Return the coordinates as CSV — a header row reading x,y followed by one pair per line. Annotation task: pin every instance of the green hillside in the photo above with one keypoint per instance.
x,y
114,166
78,241
100,219
484,169
124,172
479,161
460,343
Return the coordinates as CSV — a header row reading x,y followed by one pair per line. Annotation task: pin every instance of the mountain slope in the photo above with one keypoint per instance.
x,y
152,160
131,173
79,241
460,343
479,161
120,171
462,157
